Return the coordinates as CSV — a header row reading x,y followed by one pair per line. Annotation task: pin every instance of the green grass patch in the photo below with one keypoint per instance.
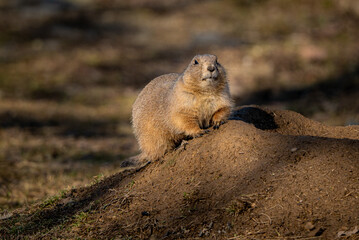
x,y
79,219
51,201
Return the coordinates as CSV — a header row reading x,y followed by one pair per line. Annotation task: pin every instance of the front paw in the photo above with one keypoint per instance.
x,y
218,123
200,133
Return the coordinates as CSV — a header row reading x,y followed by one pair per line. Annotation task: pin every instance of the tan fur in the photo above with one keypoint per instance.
x,y
174,106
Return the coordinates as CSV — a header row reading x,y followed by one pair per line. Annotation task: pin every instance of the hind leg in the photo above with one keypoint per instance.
x,y
153,148
154,145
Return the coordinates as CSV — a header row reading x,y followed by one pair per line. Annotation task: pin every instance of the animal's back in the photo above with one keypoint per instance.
x,y
149,112
154,97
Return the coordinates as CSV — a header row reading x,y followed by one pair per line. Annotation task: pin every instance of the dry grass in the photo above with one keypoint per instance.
x,y
47,147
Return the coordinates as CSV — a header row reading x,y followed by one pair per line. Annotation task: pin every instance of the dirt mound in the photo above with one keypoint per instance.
x,y
264,174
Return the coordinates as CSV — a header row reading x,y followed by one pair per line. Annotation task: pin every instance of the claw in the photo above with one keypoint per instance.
x,y
205,131
217,124
183,145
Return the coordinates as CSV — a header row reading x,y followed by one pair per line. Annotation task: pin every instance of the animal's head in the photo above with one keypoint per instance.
x,y
205,72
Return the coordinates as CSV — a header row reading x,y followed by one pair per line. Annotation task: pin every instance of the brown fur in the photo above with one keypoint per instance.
x,y
174,106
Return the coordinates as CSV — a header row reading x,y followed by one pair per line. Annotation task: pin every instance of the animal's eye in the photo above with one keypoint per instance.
x,y
195,62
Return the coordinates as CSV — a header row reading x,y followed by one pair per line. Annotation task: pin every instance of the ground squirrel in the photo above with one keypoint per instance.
x,y
175,106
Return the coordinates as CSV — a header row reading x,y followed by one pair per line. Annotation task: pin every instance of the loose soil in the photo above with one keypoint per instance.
x,y
266,174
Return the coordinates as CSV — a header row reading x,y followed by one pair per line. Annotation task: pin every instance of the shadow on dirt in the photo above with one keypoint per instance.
x,y
336,88
63,125
82,199
61,20
256,116
99,157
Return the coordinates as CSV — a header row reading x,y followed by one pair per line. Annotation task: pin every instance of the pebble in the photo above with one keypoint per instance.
x,y
309,226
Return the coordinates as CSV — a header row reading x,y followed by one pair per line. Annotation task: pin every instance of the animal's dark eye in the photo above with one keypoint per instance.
x,y
195,62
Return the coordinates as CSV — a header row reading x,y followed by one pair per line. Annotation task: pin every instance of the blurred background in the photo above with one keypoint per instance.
x,y
71,69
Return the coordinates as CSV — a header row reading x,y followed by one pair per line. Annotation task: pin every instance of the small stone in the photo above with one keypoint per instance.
x,y
309,226
347,233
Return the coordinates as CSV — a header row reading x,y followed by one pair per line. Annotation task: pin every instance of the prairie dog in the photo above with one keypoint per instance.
x,y
175,106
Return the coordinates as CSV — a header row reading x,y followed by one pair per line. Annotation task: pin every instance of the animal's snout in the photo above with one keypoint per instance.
x,y
211,68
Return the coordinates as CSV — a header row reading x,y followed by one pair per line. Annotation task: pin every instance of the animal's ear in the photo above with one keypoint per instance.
x,y
216,62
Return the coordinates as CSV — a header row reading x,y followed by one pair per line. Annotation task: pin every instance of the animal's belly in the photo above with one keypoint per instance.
x,y
205,113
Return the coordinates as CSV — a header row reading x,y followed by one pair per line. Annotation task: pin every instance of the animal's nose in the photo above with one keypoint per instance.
x,y
210,68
